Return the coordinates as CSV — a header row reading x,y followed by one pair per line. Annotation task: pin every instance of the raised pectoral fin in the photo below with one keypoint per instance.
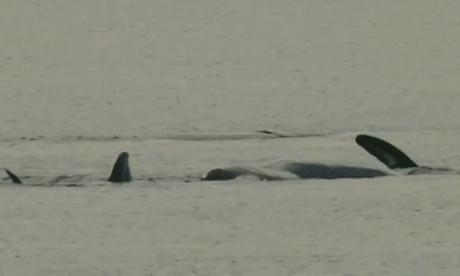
x,y
388,154
13,177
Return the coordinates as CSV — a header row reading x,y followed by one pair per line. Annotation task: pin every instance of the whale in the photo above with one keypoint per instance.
x,y
121,173
286,170
398,163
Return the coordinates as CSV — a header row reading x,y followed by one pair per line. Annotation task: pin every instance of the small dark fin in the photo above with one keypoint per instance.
x,y
388,154
121,171
13,177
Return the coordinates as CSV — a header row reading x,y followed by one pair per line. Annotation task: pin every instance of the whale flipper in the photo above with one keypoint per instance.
x,y
121,171
13,177
388,154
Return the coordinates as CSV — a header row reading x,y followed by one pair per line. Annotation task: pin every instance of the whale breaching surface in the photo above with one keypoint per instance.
x,y
121,171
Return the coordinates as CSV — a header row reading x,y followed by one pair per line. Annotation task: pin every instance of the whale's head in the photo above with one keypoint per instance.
x,y
220,174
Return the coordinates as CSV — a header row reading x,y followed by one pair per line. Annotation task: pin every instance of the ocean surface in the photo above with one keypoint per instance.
x,y
187,86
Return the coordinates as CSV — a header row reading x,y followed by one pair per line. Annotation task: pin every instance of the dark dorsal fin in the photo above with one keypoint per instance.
x,y
121,171
13,177
388,154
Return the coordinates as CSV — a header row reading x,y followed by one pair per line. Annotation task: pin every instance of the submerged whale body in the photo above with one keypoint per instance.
x,y
323,171
388,154
293,170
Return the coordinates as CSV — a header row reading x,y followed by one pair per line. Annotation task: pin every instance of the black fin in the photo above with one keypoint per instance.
x,y
388,154
13,177
121,171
